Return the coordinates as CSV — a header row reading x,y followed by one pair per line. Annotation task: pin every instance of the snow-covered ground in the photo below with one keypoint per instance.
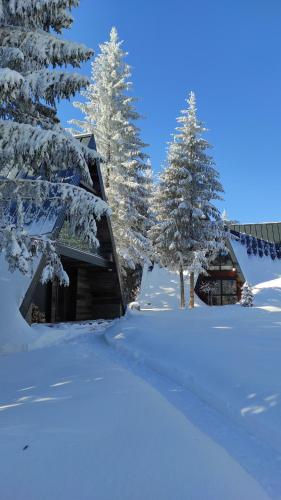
x,y
228,357
161,404
76,424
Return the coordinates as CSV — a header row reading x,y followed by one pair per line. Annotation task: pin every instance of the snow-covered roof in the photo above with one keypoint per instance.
x,y
87,139
257,248
256,269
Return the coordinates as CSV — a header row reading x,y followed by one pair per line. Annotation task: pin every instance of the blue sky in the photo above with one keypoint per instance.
x,y
229,53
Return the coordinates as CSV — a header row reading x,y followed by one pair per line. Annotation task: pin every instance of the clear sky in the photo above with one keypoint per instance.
x,y
229,53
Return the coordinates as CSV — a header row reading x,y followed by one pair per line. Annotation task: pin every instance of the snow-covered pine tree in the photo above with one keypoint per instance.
x,y
189,230
34,147
247,297
111,115
224,215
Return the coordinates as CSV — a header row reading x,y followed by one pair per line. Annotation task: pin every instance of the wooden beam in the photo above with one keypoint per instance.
x,y
88,188
75,254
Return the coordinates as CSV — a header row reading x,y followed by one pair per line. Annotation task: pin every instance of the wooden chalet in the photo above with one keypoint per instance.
x,y
95,289
223,283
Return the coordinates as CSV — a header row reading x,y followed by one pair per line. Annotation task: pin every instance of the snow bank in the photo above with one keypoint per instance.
x,y
55,334
15,333
228,356
160,288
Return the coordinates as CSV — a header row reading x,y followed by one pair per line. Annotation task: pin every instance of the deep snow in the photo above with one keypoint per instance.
x,y
15,334
74,424
163,403
228,357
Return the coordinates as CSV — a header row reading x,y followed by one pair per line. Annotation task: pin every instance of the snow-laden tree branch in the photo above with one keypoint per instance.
x,y
35,149
41,48
19,236
40,84
30,148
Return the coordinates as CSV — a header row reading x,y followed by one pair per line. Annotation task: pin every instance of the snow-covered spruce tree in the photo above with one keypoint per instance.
x,y
189,230
247,297
34,147
111,115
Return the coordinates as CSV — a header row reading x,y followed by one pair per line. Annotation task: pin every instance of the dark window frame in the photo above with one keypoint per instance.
x,y
222,294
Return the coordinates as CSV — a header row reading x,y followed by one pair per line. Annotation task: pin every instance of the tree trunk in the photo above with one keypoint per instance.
x,y
182,305
108,158
191,291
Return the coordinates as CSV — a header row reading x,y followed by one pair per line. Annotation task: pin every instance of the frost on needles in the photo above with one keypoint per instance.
x,y
188,230
110,114
247,297
34,146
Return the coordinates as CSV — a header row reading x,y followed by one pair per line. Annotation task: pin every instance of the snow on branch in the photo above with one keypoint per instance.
x,y
81,208
45,14
11,57
35,150
42,84
23,145
11,83
52,85
44,48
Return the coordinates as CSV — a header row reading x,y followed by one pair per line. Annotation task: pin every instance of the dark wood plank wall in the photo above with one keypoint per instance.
x,y
83,298
98,295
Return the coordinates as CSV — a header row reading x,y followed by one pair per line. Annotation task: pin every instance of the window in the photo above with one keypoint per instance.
x,y
220,291
229,287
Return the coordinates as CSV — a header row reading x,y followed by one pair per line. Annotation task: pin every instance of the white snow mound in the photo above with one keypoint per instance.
x,y
160,289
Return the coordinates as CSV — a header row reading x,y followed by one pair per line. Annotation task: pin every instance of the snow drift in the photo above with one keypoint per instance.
x,y
228,356
15,333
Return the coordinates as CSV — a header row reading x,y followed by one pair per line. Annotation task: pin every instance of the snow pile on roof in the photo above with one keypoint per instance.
x,y
256,269
264,274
